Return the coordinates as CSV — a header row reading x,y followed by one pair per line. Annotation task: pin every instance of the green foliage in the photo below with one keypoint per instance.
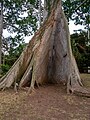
x,y
81,50
75,10
5,68
48,6
19,16
11,56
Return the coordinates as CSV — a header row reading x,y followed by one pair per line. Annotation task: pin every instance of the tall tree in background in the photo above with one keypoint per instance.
x,y
18,18
40,11
48,57
79,12
1,30
18,13
81,50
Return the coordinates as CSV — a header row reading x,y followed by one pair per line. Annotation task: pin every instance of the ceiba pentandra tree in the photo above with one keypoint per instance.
x,y
48,57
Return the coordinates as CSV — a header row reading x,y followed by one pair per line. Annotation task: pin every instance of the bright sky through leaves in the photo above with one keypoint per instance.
x,y
72,27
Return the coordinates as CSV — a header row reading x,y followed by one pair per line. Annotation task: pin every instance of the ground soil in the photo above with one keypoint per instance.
x,y
49,102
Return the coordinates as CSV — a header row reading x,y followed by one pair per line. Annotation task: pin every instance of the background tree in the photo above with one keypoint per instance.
x,y
19,18
81,50
78,11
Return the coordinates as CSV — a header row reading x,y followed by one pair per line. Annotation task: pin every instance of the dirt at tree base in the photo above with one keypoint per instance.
x,y
49,102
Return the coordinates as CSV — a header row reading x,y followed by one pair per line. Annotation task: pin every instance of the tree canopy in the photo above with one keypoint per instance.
x,y
78,11
19,19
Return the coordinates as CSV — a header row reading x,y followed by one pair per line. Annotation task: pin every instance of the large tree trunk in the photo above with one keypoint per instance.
x,y
47,58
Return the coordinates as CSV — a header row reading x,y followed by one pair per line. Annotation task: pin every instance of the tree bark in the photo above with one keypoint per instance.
x,y
40,13
48,58
1,30
44,11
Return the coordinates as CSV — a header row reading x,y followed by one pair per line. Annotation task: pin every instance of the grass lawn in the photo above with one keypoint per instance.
x,y
85,79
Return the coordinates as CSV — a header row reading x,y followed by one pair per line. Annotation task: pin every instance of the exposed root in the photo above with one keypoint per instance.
x,y
37,84
31,90
4,88
78,90
16,87
76,87
26,78
82,92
